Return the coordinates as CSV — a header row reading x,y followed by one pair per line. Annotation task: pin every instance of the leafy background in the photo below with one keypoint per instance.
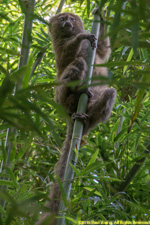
x,y
112,179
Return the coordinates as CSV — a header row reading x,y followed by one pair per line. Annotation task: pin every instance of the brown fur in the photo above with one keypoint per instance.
x,y
70,43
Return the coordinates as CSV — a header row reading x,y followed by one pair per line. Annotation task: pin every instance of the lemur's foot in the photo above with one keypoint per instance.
x,y
88,91
80,116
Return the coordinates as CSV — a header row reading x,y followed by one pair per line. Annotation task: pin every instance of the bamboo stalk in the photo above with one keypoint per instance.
x,y
78,125
60,6
26,40
42,52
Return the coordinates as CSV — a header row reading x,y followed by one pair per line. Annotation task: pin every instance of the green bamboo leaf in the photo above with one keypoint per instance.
x,y
23,149
5,16
102,3
139,98
45,34
9,51
134,39
62,191
120,134
73,221
76,199
11,175
6,88
26,77
21,122
138,103
18,74
116,21
41,37
2,211
143,54
7,183
81,2
135,25
128,60
90,168
26,105
4,71
60,109
112,136
2,134
39,18
75,169
93,190
124,63
93,158
13,153
4,153
40,42
9,83
88,7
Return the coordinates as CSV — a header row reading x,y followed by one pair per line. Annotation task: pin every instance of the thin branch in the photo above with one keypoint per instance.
x,y
26,39
134,170
38,60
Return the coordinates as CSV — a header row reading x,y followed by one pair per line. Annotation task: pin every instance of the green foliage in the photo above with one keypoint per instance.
x,y
38,127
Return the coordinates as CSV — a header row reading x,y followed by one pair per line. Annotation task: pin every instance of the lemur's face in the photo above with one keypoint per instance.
x,y
66,24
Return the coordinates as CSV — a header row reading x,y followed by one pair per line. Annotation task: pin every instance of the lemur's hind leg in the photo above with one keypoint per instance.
x,y
74,71
99,110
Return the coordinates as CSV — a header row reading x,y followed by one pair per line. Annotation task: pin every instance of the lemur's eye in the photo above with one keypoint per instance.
x,y
61,18
73,19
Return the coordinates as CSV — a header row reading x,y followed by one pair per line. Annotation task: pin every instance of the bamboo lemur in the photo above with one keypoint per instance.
x,y
70,43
